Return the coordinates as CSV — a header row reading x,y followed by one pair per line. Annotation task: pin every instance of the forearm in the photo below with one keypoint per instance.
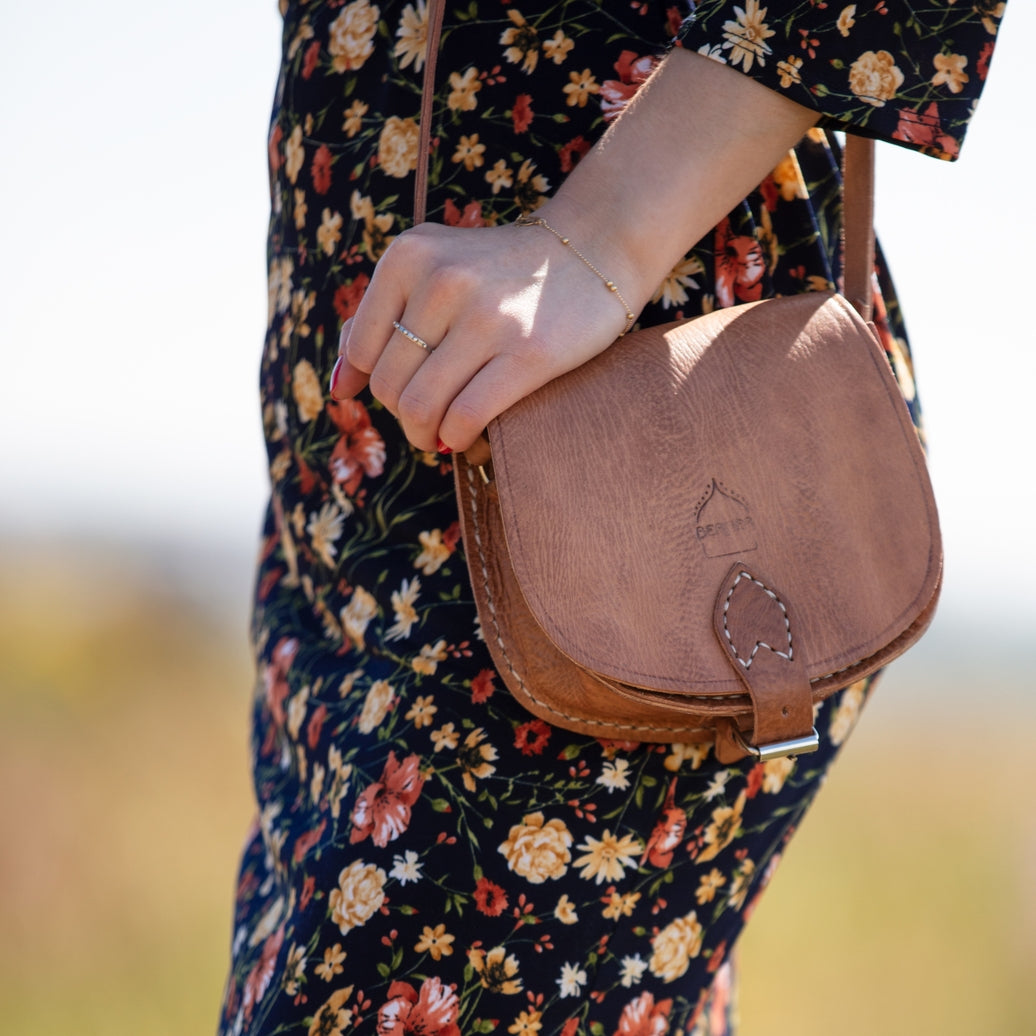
x,y
694,141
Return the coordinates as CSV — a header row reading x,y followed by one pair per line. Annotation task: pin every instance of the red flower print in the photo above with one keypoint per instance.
x,y
482,686
274,147
643,1017
259,977
306,841
755,780
309,886
667,833
451,536
532,737
925,130
570,1027
347,296
321,170
982,65
522,113
276,678
431,1012
315,725
490,898
383,809
633,73
470,217
740,266
309,62
572,152
674,19
361,450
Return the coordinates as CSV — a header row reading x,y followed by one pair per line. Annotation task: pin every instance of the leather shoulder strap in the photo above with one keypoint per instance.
x,y
857,180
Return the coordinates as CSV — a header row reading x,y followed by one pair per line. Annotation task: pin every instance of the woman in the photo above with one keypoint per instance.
x,y
429,857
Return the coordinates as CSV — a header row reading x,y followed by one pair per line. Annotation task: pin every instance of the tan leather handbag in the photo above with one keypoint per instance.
x,y
713,525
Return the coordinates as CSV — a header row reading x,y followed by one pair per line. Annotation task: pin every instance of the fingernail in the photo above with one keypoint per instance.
x,y
443,448
334,377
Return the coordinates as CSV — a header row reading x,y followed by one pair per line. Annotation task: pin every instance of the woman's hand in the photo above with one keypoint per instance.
x,y
506,309
503,310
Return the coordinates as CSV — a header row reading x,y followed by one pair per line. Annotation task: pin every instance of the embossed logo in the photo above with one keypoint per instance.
x,y
723,522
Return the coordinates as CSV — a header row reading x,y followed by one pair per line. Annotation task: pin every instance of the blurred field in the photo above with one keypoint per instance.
x,y
906,905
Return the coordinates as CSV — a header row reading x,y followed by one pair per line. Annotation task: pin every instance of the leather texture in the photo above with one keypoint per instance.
x,y
706,529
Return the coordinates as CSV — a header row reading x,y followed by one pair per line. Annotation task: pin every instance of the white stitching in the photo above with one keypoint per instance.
x,y
503,647
759,643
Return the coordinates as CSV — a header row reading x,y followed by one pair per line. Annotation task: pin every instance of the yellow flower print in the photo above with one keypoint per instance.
x,y
875,77
500,176
788,177
606,858
463,89
739,886
412,42
615,776
620,905
403,601
675,946
422,711
526,1024
352,35
433,551
376,706
565,911
445,737
334,1017
496,970
307,390
358,897
672,291
531,186
334,957
680,752
324,528
352,121
357,614
427,661
708,886
470,152
788,70
579,88
949,71
329,233
746,38
847,713
537,849
475,758
847,19
521,41
436,942
300,209
775,773
294,154
397,146
557,47
726,822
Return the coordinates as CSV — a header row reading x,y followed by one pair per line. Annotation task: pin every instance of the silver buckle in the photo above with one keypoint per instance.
x,y
796,746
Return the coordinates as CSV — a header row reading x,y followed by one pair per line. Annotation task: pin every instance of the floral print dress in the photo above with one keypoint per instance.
x,y
427,857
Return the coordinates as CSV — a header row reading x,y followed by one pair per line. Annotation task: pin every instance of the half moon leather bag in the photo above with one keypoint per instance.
x,y
713,525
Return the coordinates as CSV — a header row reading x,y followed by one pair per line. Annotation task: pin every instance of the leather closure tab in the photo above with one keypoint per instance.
x,y
755,628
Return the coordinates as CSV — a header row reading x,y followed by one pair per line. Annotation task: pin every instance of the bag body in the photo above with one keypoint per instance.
x,y
705,530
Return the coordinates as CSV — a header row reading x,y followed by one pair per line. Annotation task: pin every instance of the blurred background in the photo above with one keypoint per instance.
x,y
131,486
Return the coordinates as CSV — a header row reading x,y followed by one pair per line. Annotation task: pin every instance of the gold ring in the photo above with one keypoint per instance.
x,y
416,339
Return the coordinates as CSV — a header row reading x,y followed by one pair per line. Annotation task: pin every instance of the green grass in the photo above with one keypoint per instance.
x,y
906,905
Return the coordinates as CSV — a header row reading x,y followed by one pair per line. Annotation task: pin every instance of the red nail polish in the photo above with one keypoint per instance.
x,y
334,376
443,448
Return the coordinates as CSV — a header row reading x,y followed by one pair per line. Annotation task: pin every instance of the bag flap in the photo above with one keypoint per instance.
x,y
771,434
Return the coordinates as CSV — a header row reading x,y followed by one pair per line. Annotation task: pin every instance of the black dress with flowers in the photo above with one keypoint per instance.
x,y
428,858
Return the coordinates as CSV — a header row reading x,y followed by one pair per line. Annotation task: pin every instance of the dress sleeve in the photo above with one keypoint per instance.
x,y
894,70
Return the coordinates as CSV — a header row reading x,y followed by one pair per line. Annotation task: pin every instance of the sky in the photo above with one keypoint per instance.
x,y
134,297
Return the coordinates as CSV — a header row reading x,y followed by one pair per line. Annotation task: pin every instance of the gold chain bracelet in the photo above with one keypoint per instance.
x,y
529,220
